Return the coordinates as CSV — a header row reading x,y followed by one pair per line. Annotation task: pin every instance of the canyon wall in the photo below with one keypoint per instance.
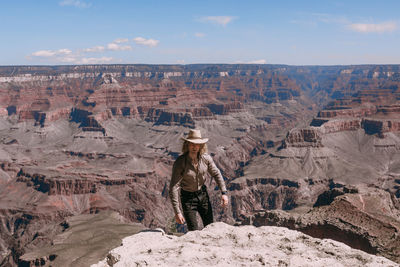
x,y
82,139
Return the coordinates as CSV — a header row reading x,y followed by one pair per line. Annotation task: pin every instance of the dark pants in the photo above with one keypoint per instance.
x,y
193,202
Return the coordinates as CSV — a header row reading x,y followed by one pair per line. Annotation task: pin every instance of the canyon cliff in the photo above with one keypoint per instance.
x,y
84,139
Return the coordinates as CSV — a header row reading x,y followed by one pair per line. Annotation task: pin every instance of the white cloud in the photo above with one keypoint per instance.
x,y
67,59
314,19
389,26
118,47
94,60
113,46
199,34
44,53
75,59
121,40
259,61
221,20
64,51
51,53
146,42
94,49
180,61
84,60
75,3
78,56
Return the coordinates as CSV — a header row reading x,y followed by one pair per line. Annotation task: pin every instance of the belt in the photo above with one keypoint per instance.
x,y
195,193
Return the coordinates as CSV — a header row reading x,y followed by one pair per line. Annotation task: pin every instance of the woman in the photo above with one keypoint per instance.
x,y
188,175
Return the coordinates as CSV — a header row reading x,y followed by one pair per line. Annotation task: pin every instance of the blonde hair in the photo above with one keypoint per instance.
x,y
185,148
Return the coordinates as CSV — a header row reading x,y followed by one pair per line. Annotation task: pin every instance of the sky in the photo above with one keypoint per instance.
x,y
293,32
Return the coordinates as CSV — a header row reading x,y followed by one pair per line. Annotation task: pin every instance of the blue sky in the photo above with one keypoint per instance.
x,y
308,32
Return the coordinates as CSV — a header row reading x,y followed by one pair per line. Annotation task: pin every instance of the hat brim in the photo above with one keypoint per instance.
x,y
196,141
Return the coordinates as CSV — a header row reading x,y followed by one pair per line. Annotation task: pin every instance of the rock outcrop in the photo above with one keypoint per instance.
x,y
365,220
380,126
222,245
306,137
374,111
352,142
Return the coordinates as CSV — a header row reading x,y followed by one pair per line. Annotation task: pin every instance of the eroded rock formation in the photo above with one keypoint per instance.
x,y
82,139
246,245
365,220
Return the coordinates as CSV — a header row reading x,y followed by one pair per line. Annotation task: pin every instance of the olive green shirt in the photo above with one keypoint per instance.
x,y
185,176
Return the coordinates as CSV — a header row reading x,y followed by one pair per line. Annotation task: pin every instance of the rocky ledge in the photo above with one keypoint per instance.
x,y
365,220
374,111
220,244
305,137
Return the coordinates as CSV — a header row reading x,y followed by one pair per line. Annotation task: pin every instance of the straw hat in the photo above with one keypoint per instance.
x,y
194,136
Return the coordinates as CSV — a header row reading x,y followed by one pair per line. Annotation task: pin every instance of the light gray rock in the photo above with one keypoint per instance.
x,y
220,244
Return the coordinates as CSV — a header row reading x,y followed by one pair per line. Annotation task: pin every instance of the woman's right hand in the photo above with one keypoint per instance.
x,y
179,218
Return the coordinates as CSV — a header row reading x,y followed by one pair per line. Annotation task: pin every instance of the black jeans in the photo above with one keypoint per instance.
x,y
193,202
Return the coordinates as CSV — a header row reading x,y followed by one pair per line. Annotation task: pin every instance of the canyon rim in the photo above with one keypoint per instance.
x,y
310,148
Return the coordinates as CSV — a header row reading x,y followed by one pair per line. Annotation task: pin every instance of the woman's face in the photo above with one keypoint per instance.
x,y
194,148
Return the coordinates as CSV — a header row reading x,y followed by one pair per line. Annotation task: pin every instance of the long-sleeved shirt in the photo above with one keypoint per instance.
x,y
185,176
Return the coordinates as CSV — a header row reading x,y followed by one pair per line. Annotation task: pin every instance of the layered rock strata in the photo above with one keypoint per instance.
x,y
81,139
370,110
136,91
365,220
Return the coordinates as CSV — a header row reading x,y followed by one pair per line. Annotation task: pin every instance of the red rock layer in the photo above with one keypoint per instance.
x,y
376,111
376,126
306,137
177,96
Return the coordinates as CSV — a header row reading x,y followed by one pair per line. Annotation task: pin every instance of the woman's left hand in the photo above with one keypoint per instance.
x,y
224,201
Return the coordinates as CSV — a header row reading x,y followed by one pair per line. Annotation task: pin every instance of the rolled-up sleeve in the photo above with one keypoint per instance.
x,y
174,186
215,173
